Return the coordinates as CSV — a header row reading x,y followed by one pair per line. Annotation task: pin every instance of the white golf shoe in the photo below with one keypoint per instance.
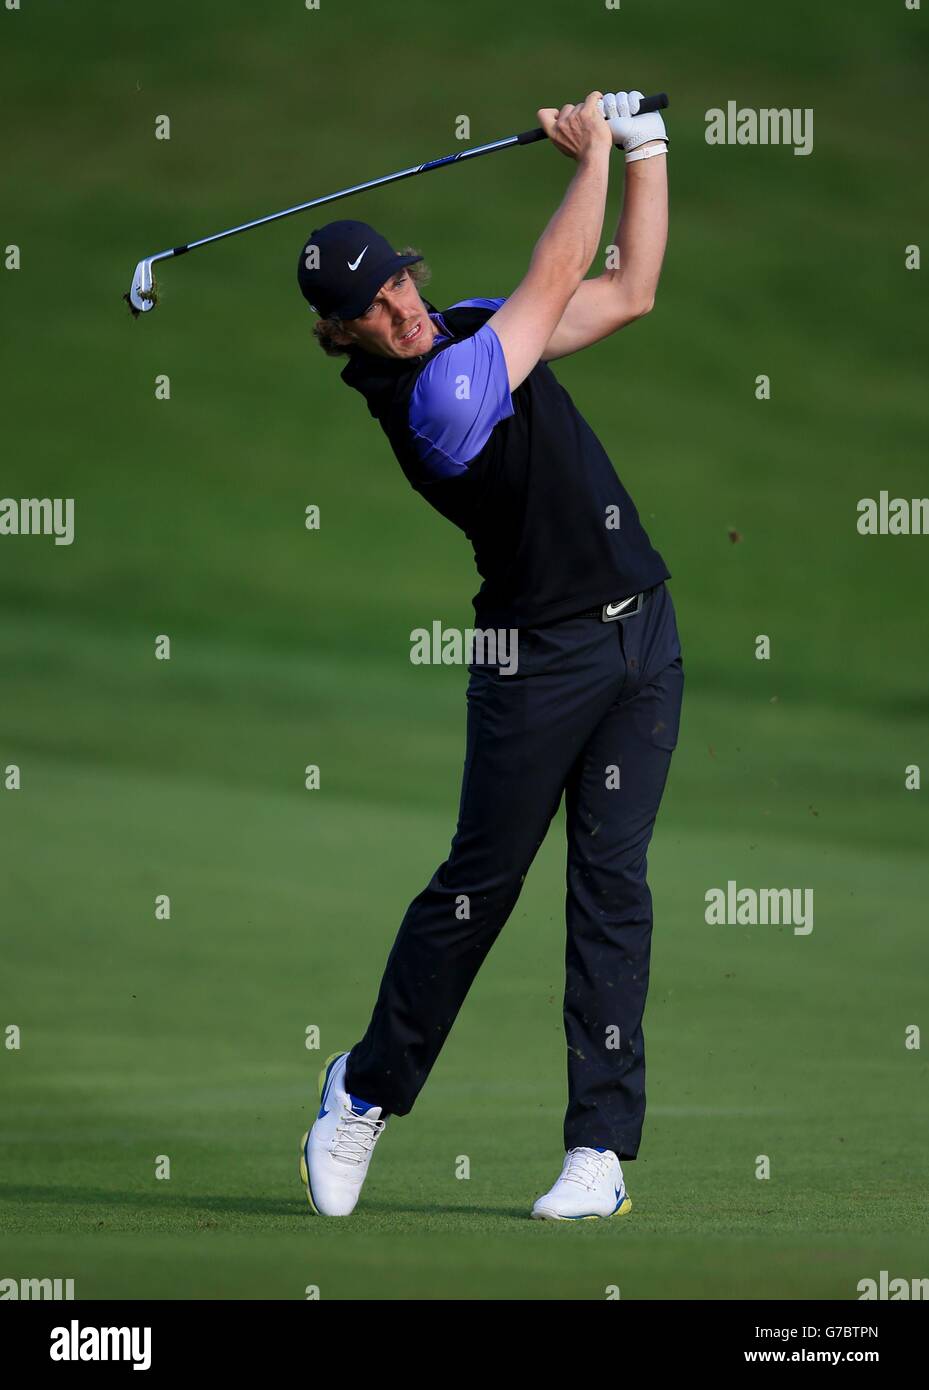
x,y
591,1186
336,1152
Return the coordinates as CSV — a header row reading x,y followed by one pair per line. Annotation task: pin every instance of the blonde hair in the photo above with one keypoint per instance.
x,y
323,329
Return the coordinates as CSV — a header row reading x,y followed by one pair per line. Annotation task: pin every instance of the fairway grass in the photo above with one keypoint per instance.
x,y
767,1051
185,1038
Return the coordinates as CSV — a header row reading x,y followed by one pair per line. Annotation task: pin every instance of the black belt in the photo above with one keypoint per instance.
x,y
619,609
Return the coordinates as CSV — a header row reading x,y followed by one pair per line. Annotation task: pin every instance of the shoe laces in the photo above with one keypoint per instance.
x,y
355,1137
586,1167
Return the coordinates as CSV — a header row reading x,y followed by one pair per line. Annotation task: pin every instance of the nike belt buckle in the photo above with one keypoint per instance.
x,y
623,608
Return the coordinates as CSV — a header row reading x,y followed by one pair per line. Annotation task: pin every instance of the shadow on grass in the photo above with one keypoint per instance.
x,y
196,1204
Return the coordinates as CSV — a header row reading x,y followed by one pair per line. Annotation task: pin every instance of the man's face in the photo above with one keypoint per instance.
x,y
396,323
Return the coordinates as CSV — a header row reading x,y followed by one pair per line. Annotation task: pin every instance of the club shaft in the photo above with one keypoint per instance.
x,y
527,137
347,192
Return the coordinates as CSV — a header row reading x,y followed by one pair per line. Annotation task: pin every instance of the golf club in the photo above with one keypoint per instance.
x,y
142,294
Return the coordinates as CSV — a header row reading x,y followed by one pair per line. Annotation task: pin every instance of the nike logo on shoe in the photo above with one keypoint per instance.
x,y
360,1107
354,265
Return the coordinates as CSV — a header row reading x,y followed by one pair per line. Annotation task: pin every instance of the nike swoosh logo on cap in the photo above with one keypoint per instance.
x,y
357,263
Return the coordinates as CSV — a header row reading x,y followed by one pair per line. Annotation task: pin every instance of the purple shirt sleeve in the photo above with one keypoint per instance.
x,y
459,396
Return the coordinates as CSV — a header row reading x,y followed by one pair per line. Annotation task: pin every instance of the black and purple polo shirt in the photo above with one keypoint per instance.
x,y
522,474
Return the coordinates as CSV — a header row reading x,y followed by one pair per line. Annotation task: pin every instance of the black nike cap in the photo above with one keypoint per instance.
x,y
343,265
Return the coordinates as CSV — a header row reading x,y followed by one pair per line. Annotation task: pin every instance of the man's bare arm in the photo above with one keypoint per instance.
x,y
564,252
608,302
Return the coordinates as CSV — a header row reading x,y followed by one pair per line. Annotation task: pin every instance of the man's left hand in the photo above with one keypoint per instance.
x,y
628,128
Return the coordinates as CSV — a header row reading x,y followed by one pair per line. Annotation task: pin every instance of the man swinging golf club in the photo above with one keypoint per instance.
x,y
483,430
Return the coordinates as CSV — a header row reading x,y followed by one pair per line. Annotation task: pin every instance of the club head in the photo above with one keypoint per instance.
x,y
141,296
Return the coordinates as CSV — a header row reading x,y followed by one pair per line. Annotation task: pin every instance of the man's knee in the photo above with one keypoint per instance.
x,y
457,905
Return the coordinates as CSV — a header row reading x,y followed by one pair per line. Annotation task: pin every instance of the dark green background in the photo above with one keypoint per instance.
x,y
290,647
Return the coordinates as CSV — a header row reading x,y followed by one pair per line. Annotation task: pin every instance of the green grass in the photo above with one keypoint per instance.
x,y
186,1038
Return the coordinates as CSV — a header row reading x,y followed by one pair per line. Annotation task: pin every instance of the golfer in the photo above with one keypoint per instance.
x,y
587,707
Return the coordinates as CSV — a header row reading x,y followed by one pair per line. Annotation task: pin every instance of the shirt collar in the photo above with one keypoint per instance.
x,y
373,375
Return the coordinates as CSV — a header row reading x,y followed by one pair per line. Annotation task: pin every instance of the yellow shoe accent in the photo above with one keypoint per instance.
x,y
303,1171
620,1211
304,1175
321,1079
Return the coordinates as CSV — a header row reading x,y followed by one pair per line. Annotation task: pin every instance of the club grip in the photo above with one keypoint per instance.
x,y
653,103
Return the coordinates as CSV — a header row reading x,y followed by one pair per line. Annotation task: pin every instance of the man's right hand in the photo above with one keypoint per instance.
x,y
577,131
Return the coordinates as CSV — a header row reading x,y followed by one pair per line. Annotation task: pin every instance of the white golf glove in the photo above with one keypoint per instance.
x,y
630,130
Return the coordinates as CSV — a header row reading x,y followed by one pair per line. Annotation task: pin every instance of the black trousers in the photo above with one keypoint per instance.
x,y
591,713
